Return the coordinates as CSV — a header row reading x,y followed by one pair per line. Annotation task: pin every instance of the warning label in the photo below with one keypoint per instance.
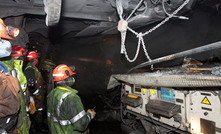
x,y
152,92
206,101
144,90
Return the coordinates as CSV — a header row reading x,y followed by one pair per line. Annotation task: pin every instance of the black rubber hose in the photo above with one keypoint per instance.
x,y
211,46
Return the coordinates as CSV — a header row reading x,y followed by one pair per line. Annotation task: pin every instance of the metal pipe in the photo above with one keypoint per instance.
x,y
211,46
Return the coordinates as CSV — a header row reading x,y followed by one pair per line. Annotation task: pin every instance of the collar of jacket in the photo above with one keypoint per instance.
x,y
18,63
67,89
29,65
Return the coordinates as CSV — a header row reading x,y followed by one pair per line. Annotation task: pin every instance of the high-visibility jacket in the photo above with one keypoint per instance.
x,y
24,128
30,66
20,75
22,124
33,73
39,81
9,102
8,61
23,83
65,111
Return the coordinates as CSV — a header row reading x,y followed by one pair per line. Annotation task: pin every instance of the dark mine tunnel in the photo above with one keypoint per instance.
x,y
173,85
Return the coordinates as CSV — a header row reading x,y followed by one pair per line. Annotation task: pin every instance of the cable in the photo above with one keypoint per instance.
x,y
134,10
155,2
155,124
167,131
121,106
180,17
208,47
174,129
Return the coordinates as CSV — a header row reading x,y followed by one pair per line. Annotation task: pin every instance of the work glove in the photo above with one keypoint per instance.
x,y
92,112
32,106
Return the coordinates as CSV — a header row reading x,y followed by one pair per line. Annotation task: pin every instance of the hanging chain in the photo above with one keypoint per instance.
x,y
140,35
165,20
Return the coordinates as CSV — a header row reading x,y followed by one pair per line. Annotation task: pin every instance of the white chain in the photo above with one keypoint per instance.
x,y
140,35
119,8
166,19
135,57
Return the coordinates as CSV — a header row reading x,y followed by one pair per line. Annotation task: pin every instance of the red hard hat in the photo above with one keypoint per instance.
x,y
17,51
62,72
32,55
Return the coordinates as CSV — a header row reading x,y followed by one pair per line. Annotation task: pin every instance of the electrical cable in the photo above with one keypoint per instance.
x,y
115,94
134,127
134,10
121,107
167,131
180,17
211,46
157,127
154,2
174,129
111,99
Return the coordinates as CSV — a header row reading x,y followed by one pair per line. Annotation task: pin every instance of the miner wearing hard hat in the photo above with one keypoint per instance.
x,y
10,100
18,53
65,111
36,89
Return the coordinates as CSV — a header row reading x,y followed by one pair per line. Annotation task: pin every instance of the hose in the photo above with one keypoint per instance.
x,y
211,46
3,68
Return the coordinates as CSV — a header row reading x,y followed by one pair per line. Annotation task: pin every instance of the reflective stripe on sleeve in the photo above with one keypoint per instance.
x,y
24,86
78,116
17,72
40,109
68,122
36,92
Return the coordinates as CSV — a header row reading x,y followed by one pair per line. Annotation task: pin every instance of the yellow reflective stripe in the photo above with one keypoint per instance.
x,y
78,117
132,96
65,89
68,122
61,101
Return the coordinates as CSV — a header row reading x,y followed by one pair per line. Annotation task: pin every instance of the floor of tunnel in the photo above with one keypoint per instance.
x,y
97,127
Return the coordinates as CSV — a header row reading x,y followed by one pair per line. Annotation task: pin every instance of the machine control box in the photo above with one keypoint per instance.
x,y
132,100
162,108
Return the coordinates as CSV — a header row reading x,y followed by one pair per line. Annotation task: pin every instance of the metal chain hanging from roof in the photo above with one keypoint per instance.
x,y
123,26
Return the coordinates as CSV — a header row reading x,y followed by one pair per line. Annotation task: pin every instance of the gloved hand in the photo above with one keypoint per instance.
x,y
32,106
92,112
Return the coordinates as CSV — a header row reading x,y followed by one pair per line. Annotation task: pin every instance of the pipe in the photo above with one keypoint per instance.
x,y
211,46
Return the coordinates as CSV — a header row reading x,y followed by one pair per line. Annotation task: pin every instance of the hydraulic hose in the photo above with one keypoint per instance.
x,y
3,68
211,46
